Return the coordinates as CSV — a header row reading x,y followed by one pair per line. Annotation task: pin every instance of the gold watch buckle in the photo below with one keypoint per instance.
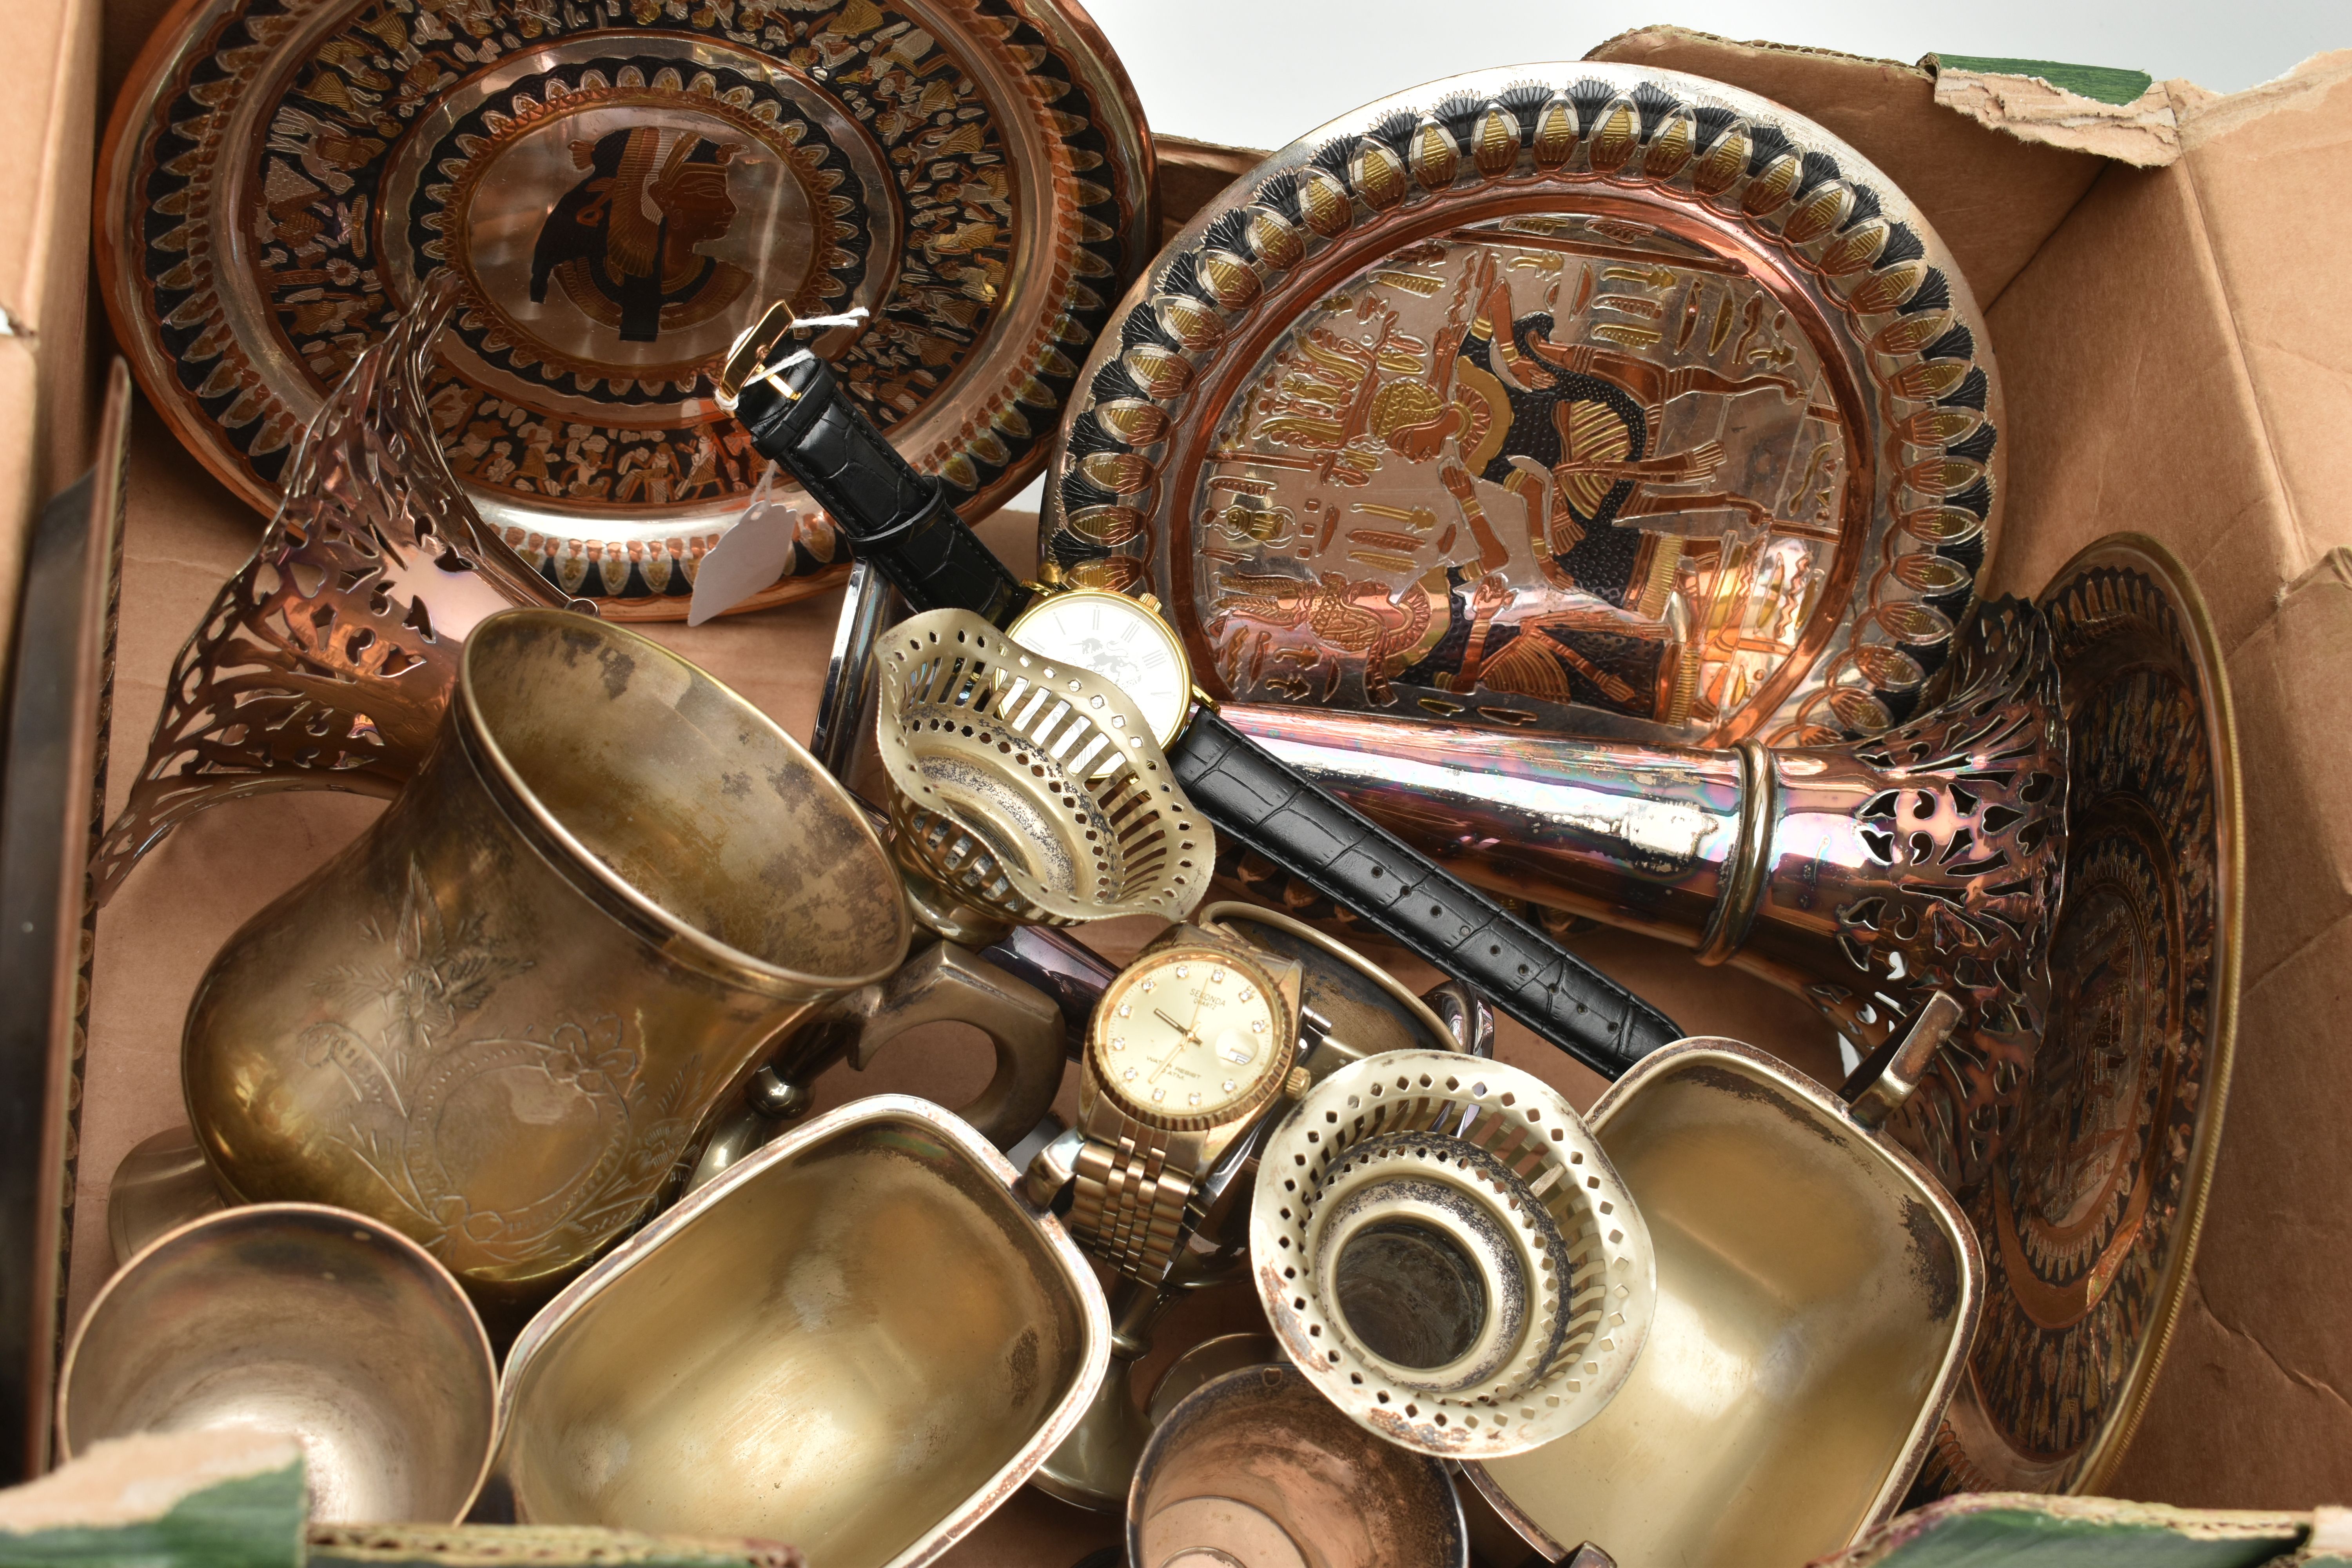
x,y
748,353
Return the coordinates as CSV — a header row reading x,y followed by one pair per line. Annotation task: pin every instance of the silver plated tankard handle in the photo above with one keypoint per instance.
x,y
943,982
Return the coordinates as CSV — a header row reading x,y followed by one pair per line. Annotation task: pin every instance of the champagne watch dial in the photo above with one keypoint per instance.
x,y
1185,1036
1120,639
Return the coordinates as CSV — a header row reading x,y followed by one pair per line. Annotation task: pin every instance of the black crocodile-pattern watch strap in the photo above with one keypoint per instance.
x,y
1351,860
895,517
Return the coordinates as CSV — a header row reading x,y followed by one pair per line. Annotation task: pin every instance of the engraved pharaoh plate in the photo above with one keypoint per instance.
x,y
618,190
1578,399
2089,1216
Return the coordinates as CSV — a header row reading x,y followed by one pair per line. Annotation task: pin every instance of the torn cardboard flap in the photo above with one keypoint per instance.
x,y
2041,100
2095,109
2304,90
1993,198
253,1479
2265,174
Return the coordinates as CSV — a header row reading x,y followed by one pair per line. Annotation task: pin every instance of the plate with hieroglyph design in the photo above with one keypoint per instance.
x,y
620,187
1577,399
2089,1216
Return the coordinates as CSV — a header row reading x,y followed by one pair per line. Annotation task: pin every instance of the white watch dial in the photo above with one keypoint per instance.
x,y
1112,636
1185,1034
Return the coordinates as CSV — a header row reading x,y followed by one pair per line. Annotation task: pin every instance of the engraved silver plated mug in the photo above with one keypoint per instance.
x,y
501,1019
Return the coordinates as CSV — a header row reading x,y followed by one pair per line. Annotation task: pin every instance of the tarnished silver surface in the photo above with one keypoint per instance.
x,y
300,1318
1206,1361
1257,1469
1468,1016
861,1339
1058,963
503,1016
1093,1467
842,737
1026,791
1445,1252
163,1184
1350,1008
1816,1292
939,983
1576,398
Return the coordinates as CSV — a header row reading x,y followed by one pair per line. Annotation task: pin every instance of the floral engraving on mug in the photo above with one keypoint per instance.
x,y
500,1151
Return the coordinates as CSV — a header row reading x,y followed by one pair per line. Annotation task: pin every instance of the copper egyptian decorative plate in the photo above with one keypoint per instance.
x,y
620,187
1576,398
2090,1215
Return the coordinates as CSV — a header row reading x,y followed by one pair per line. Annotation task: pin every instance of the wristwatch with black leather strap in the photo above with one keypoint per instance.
x,y
900,520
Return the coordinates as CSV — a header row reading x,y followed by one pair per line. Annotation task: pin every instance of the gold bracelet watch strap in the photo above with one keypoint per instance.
x,y
1129,1207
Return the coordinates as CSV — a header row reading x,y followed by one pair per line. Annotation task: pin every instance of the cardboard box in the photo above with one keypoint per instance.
x,y
2175,363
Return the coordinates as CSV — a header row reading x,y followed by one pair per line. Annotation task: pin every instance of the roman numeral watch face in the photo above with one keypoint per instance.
x,y
1122,639
1186,1036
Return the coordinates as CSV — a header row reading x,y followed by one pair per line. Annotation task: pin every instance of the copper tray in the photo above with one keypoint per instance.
x,y
2090,1215
1580,398
621,189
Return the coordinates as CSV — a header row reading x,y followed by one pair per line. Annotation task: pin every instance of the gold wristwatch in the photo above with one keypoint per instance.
x,y
1187,1047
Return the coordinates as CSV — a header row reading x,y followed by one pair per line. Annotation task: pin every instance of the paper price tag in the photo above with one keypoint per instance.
x,y
749,556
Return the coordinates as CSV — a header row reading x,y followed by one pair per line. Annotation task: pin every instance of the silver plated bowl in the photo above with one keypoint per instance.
x,y
1817,1292
861,1339
1257,1469
305,1320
